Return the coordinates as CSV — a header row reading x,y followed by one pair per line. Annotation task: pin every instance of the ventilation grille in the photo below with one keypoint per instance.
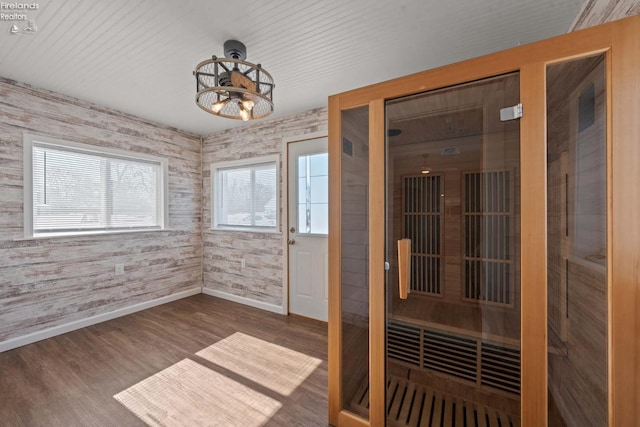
x,y
455,355
450,354
500,368
404,343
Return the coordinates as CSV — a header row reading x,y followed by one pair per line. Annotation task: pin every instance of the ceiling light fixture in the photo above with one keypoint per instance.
x,y
425,168
232,87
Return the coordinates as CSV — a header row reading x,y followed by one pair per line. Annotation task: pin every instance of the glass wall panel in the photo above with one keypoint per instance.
x,y
453,193
354,253
577,242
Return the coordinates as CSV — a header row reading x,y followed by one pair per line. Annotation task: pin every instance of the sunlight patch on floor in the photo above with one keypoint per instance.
x,y
189,394
278,368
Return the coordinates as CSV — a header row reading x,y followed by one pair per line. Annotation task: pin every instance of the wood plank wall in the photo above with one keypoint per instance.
x,y
597,12
262,278
49,282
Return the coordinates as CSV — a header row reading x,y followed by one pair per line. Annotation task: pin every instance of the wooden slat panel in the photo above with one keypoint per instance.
x,y
413,404
427,409
397,400
493,417
504,419
487,209
447,416
416,410
470,415
482,417
421,222
437,409
459,422
409,402
392,389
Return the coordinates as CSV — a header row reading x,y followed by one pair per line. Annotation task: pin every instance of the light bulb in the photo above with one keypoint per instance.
x,y
425,169
217,106
244,114
248,104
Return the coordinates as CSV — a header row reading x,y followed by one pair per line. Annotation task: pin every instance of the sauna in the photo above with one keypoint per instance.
x,y
474,277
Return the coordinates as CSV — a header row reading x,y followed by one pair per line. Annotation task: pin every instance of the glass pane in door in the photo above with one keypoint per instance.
x,y
313,194
453,244
577,242
354,221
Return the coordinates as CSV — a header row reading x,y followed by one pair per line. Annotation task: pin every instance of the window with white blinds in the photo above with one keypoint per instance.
x,y
245,194
76,188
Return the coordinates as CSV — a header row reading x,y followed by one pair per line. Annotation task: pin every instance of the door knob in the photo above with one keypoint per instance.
x,y
291,241
292,229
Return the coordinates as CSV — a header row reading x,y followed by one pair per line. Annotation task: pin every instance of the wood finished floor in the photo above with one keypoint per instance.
x,y
70,380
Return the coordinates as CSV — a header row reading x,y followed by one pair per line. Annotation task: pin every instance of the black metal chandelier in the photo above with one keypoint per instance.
x,y
232,87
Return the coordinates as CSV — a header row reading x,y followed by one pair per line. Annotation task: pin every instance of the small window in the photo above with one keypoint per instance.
x,y
245,194
73,188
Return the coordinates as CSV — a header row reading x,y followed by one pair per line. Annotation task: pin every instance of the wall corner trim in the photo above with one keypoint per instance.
x,y
243,300
20,341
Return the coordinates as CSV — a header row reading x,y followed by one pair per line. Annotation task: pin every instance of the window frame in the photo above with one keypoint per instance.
x,y
217,193
29,140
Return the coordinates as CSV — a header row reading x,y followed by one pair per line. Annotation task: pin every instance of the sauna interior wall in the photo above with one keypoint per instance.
x,y
489,145
578,337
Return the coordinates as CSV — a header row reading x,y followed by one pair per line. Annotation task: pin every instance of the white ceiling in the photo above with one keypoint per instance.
x,y
138,56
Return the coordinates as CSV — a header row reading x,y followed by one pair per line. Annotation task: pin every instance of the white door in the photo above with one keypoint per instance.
x,y
308,228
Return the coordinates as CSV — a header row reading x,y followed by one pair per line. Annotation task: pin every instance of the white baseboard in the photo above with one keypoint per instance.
x,y
243,300
77,324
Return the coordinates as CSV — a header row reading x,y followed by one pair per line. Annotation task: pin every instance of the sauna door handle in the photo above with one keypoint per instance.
x,y
404,267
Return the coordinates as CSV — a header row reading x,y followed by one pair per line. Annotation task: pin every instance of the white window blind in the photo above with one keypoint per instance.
x,y
246,196
78,190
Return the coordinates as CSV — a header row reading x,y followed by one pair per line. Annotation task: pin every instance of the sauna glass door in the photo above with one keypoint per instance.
x,y
453,252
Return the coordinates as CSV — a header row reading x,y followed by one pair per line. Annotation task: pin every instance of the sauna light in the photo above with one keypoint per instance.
x,y
425,169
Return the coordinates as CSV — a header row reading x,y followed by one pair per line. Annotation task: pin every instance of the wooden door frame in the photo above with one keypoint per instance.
x,y
619,41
